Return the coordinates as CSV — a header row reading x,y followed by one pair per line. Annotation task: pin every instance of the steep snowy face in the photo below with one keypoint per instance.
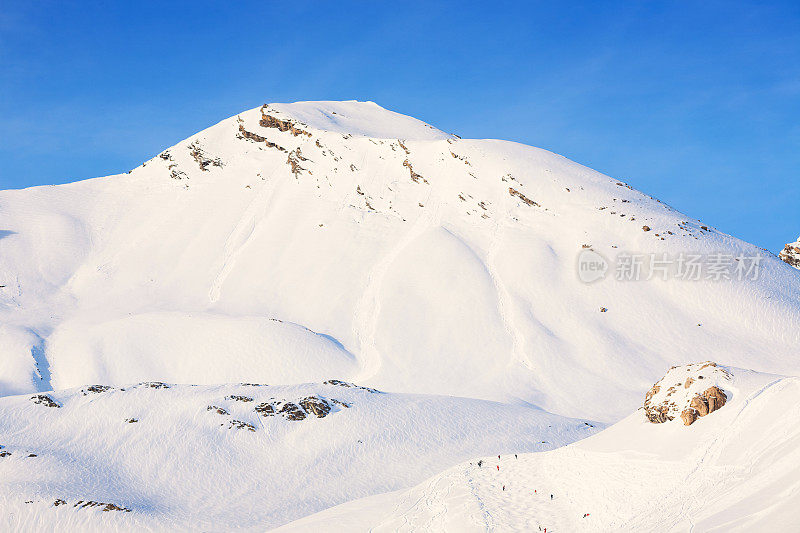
x,y
296,242
791,254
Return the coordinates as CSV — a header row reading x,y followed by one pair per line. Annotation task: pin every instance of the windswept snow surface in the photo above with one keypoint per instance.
x,y
736,469
215,458
298,242
391,254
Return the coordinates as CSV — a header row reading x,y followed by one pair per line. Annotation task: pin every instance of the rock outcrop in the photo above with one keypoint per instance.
x,y
689,392
791,254
300,409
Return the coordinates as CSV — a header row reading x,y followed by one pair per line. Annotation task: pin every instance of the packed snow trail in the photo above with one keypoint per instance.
x,y
206,457
736,469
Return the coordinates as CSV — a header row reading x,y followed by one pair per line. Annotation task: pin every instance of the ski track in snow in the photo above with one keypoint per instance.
x,y
368,309
242,234
504,301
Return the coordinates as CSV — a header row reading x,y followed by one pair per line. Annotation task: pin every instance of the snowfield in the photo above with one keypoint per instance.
x,y
295,243
218,457
737,469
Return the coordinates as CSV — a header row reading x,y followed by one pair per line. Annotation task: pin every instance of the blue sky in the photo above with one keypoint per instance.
x,y
695,103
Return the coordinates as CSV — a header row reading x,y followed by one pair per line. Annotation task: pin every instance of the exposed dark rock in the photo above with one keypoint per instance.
x,y
514,192
791,254
340,383
685,398
700,405
44,399
155,385
201,158
658,414
414,176
238,424
269,121
316,406
105,506
238,398
266,409
292,411
97,389
244,134
715,398
688,416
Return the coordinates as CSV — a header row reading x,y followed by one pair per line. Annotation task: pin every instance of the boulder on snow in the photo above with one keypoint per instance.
x,y
689,391
715,398
700,405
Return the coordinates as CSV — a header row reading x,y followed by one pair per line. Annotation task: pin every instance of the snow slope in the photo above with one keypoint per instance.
x,y
736,469
216,458
295,242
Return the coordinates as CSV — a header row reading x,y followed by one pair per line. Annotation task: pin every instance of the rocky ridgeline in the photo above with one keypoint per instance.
x,y
687,392
791,254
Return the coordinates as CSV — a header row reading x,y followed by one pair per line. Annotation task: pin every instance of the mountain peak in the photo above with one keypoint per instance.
x,y
365,119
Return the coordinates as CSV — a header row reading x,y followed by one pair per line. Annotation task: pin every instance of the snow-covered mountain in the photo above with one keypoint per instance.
x,y
489,288
300,242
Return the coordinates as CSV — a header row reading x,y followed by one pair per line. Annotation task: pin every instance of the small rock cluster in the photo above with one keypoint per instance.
x,y
46,400
791,254
96,389
311,405
340,383
154,385
701,405
105,507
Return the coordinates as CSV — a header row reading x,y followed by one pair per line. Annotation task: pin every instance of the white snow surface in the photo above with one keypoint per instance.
x,y
736,469
295,243
403,263
182,465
